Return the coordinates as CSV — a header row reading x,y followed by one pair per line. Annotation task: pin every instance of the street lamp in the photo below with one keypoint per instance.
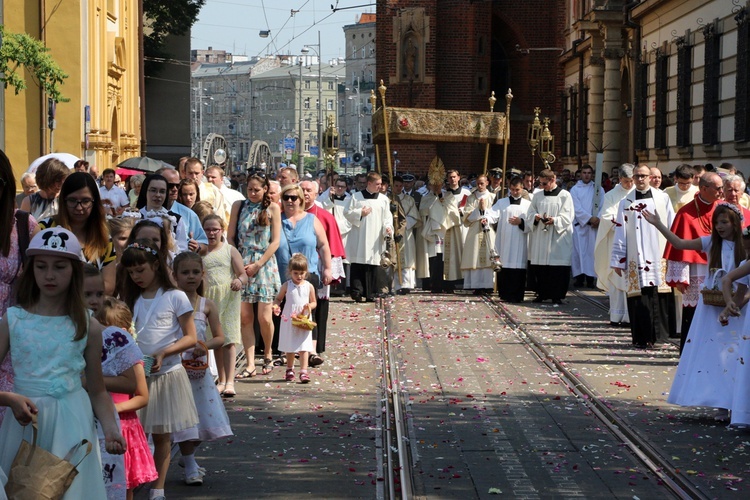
x,y
318,52
358,109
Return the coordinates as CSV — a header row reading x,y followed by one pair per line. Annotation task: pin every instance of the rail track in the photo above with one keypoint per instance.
x,y
398,458
670,477
395,459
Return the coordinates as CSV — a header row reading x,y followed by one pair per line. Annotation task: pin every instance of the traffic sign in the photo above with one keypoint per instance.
x,y
290,143
314,150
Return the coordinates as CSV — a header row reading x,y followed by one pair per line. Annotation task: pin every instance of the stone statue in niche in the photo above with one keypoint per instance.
x,y
411,33
410,71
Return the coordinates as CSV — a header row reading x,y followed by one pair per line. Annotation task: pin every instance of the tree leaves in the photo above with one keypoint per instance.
x,y
21,51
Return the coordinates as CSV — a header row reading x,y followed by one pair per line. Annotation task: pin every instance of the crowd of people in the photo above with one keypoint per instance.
x,y
184,265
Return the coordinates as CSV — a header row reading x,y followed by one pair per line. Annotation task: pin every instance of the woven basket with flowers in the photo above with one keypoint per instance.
x,y
195,366
713,296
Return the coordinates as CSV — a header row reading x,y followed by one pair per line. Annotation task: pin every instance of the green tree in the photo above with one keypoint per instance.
x,y
19,51
174,17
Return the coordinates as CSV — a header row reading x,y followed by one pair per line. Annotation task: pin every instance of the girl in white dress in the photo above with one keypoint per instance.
x,y
705,375
740,410
214,421
163,318
300,301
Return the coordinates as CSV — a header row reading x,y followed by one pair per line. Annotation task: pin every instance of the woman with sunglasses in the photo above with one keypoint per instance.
x,y
81,212
254,229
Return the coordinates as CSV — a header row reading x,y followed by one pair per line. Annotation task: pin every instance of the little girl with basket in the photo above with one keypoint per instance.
x,y
53,340
295,334
214,421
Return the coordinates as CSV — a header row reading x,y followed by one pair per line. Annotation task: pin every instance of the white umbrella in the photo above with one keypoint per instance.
x,y
66,158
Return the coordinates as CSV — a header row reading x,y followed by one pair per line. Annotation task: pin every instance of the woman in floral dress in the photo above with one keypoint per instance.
x,y
254,229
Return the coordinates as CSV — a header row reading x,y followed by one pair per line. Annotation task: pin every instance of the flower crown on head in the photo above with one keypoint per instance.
x,y
138,246
734,209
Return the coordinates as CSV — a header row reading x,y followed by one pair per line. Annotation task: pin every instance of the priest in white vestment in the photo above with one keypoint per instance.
x,y
407,250
369,214
454,199
613,284
586,200
335,203
476,260
683,190
512,241
637,253
434,216
551,241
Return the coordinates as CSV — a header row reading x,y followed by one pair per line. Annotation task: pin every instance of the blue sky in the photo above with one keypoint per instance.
x,y
234,25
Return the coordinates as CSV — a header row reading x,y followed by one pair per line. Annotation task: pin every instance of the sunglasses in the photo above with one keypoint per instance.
x,y
173,185
290,197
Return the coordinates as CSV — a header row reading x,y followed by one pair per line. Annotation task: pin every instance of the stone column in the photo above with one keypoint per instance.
x,y
612,109
596,103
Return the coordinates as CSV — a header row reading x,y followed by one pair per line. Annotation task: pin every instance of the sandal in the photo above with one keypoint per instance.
x,y
221,387
229,392
267,366
289,377
246,374
315,360
304,378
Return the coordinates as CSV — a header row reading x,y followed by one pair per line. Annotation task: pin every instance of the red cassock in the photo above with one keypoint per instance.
x,y
692,221
331,228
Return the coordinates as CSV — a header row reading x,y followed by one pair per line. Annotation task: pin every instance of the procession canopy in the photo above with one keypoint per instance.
x,y
439,125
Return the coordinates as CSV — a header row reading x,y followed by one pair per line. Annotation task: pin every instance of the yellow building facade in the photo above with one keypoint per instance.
x,y
96,43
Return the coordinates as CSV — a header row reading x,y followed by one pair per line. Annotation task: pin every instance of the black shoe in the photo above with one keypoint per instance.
x,y
591,283
357,298
538,300
404,291
557,301
578,281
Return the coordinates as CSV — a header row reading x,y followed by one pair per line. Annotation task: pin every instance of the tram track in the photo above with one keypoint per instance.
x,y
629,436
395,459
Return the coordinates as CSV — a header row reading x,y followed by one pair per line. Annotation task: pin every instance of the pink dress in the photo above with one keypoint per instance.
x,y
119,353
9,269
139,463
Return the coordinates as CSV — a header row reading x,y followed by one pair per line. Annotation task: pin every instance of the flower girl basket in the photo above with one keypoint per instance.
x,y
712,296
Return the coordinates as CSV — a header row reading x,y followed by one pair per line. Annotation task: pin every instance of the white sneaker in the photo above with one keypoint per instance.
x,y
193,478
181,463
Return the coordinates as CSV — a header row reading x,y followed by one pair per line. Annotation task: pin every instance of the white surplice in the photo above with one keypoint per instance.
x,y
336,208
615,286
408,250
454,234
554,246
584,236
638,246
366,241
512,242
476,264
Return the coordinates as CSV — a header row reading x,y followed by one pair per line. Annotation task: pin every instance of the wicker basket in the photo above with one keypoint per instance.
x,y
195,367
303,322
713,296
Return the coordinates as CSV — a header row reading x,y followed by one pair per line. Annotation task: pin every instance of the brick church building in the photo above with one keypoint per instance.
x,y
451,54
